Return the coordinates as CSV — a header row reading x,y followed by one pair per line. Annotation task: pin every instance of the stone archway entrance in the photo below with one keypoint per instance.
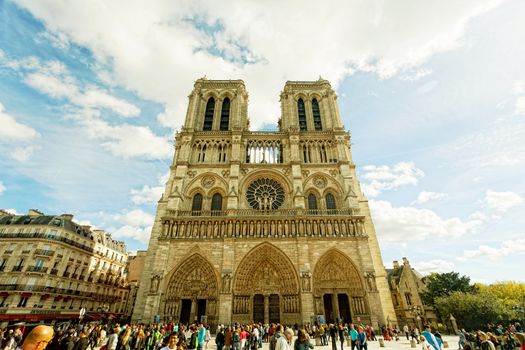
x,y
265,287
339,293
192,291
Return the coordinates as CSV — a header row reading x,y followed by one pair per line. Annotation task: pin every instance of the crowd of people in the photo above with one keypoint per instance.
x,y
196,336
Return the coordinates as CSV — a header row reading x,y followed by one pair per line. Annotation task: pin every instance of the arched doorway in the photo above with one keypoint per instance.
x,y
266,287
192,291
338,289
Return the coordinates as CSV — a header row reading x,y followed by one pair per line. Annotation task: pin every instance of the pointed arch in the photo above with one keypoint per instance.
x,y
265,268
336,271
225,114
316,112
301,113
208,114
194,277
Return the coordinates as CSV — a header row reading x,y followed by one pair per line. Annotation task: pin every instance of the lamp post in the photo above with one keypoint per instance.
x,y
454,324
416,313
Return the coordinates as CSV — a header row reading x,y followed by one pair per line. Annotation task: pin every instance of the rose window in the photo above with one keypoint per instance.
x,y
265,194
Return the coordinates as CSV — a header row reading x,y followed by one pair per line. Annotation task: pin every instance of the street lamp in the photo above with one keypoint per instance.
x,y
416,313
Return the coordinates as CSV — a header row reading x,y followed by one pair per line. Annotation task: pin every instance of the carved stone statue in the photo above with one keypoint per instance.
x,y
370,281
306,281
226,282
154,286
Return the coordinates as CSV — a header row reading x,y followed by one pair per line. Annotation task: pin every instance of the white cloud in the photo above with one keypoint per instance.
x,y
149,194
12,130
416,75
506,248
377,179
158,49
518,87
425,196
22,154
502,201
140,234
125,140
436,265
136,217
136,224
53,79
399,224
2,187
520,106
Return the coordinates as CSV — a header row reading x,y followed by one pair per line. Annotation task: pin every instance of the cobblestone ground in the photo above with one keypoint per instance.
x,y
402,343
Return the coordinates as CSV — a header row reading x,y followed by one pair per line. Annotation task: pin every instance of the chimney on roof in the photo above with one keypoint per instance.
x,y
396,264
67,216
86,227
34,212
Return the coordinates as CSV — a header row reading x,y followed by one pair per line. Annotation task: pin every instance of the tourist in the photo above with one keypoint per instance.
x,y
82,342
486,344
333,333
361,339
236,339
219,339
194,340
113,339
406,330
284,342
276,336
201,336
462,339
521,340
303,341
425,344
431,339
172,342
341,335
38,338
228,338
207,337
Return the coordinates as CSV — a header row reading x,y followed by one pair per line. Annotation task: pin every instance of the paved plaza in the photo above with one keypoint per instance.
x,y
402,343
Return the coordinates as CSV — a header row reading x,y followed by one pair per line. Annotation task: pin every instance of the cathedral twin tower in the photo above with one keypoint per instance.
x,y
263,226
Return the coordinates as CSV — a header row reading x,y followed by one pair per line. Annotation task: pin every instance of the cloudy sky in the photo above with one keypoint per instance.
x,y
433,92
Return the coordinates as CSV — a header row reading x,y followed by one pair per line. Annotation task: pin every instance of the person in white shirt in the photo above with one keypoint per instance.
x,y
172,342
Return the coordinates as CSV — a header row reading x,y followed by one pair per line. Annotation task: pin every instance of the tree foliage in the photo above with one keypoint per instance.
x,y
472,310
444,284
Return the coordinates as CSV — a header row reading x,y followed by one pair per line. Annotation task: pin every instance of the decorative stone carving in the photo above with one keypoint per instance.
x,y
305,173
191,173
208,181
226,282
320,181
265,194
336,270
286,171
244,171
225,173
264,269
155,282
334,172
195,277
371,281
305,280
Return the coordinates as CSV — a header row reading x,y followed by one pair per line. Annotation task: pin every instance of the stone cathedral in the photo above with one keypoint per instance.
x,y
264,226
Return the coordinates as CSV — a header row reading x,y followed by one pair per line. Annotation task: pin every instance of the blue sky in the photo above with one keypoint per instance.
x,y
91,94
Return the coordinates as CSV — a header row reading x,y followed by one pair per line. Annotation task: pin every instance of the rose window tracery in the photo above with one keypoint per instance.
x,y
265,194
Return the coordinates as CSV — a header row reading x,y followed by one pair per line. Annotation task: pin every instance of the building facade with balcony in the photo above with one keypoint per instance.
x,y
263,226
51,267
406,287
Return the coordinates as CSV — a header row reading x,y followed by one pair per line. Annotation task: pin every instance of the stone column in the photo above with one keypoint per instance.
x,y
335,306
193,311
266,309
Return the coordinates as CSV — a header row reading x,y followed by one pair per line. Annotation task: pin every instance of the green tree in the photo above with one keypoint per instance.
x,y
443,284
472,310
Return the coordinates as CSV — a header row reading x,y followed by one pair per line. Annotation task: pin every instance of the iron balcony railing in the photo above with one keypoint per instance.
x,y
265,213
47,237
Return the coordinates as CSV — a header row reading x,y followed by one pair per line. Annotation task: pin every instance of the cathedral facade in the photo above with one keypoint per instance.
x,y
263,226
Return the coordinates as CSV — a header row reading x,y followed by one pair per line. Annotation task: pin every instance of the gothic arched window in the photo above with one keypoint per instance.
x,y
208,115
301,114
196,205
330,202
312,201
225,114
216,202
317,115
